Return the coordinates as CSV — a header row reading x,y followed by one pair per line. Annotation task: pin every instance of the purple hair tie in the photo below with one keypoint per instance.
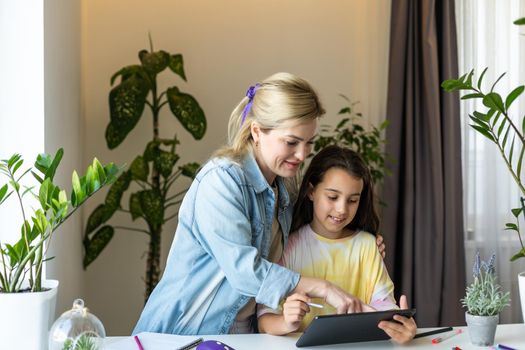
x,y
250,94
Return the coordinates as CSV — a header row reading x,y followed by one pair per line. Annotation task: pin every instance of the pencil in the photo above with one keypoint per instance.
x,y
191,345
318,306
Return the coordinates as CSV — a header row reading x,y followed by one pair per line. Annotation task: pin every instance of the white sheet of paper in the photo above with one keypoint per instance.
x,y
152,341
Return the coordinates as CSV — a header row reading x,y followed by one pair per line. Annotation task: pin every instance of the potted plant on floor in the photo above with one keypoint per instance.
x,y
27,302
484,301
507,132
155,172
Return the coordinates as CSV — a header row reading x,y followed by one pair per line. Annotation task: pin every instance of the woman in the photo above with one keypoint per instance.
x,y
235,219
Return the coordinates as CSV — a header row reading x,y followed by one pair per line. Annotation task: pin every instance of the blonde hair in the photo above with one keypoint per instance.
x,y
281,99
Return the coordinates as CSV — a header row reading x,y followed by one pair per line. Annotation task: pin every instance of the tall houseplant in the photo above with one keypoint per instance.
x,y
506,131
27,302
154,171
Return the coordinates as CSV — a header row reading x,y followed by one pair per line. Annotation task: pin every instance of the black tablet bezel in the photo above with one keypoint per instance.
x,y
348,328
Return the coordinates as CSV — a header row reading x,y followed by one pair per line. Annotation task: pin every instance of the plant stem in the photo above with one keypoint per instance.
x,y
153,261
167,205
176,195
131,229
25,227
171,217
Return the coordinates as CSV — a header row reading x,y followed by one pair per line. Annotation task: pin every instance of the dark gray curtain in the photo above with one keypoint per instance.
x,y
423,217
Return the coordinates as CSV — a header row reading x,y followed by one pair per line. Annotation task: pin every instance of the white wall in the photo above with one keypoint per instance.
x,y
63,129
340,46
21,97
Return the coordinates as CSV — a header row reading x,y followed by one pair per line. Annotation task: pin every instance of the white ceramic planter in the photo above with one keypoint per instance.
x,y
25,318
521,281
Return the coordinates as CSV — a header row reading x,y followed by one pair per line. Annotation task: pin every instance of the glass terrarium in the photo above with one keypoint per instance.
x,y
77,329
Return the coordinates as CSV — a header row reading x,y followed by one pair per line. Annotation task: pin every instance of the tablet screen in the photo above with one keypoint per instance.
x,y
348,328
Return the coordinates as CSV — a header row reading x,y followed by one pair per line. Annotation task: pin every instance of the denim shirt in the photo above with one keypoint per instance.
x,y
217,260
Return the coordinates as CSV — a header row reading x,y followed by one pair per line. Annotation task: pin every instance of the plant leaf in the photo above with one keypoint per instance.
x,y
77,195
513,95
135,207
177,65
50,172
3,191
94,246
126,104
520,21
484,132
470,96
139,169
520,254
516,212
494,101
481,77
497,81
520,162
128,72
152,206
44,192
188,112
154,62
100,215
116,190
511,149
190,170
164,162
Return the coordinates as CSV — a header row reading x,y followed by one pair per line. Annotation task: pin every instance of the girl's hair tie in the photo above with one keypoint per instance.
x,y
250,94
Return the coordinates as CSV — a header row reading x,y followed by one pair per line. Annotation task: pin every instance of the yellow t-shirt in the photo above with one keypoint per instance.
x,y
352,263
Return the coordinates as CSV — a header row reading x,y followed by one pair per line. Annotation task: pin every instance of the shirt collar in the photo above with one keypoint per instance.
x,y
256,178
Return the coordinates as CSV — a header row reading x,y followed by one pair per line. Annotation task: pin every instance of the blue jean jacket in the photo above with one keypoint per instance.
x,y
218,257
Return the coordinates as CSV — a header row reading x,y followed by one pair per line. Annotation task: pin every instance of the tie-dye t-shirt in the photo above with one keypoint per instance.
x,y
352,263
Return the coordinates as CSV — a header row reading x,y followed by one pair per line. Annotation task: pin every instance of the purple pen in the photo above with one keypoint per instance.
x,y
504,347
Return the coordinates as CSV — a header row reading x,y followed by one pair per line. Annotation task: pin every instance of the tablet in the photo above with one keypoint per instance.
x,y
348,328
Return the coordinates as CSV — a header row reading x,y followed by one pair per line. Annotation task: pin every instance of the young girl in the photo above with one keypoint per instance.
x,y
334,224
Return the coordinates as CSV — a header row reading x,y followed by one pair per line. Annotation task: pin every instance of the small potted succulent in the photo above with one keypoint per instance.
x,y
484,301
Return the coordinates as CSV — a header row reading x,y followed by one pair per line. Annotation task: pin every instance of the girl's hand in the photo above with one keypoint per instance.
x,y
344,303
294,309
404,329
381,245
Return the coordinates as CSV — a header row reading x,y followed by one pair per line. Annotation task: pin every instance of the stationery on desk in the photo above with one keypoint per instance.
x,y
154,341
446,336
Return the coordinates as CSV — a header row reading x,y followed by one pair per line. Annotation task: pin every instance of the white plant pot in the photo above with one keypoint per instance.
x,y
25,318
521,281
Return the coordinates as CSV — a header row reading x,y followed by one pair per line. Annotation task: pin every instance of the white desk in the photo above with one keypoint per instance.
x,y
512,335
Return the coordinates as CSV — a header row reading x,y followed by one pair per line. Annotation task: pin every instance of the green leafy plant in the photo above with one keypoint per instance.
x,y
498,125
484,296
350,133
25,258
154,172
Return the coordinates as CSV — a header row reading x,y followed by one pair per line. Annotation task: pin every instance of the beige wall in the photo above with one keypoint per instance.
x,y
340,46
63,129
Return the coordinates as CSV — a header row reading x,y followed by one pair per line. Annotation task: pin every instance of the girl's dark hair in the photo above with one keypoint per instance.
x,y
343,158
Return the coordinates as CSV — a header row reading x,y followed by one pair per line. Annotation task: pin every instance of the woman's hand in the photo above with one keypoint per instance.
x,y
344,303
294,309
381,245
404,329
